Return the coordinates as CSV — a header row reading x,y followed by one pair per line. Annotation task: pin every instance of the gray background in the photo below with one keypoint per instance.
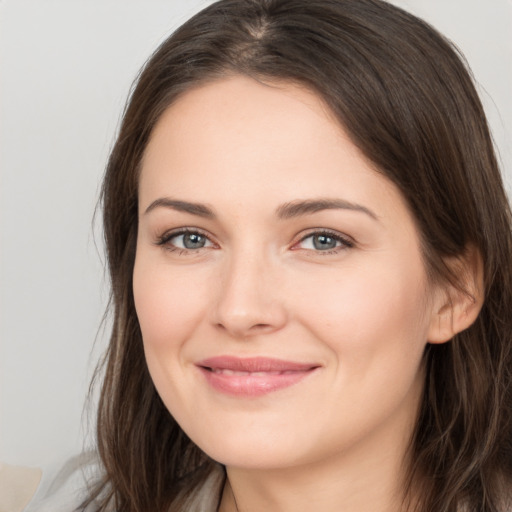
x,y
65,70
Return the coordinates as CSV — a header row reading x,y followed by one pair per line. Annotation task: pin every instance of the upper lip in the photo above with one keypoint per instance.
x,y
254,364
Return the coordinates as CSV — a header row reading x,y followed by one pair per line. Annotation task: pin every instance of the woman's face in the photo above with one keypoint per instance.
x,y
278,281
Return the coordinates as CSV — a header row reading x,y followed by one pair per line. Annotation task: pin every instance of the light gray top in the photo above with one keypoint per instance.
x,y
64,489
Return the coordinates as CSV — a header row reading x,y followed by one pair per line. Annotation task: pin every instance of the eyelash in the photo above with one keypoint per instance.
x,y
164,241
345,241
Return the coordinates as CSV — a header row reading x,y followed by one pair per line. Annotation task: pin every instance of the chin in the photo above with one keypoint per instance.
x,y
252,458
257,449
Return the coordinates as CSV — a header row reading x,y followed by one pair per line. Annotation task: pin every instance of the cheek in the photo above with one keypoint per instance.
x,y
169,304
368,311
170,307
374,325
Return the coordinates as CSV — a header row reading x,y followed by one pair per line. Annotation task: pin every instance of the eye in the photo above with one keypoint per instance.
x,y
324,241
185,240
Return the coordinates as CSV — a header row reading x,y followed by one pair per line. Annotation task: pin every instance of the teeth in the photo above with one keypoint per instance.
x,y
229,372
223,371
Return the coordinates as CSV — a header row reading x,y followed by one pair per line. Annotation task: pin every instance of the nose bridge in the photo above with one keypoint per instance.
x,y
248,301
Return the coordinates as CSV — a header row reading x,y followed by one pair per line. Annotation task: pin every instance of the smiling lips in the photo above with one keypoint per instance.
x,y
252,377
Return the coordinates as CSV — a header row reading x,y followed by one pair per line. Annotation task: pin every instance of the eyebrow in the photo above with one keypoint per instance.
x,y
285,211
198,209
299,208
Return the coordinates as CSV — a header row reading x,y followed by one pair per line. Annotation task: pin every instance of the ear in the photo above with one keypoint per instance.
x,y
456,307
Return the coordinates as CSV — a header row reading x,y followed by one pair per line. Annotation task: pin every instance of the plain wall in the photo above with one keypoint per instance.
x,y
66,68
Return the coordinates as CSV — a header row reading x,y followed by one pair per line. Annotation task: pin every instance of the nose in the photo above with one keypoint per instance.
x,y
249,300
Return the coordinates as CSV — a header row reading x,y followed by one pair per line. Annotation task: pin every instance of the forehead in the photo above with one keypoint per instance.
x,y
244,110
258,131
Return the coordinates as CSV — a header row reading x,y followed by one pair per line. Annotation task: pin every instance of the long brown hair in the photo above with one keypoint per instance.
x,y
406,99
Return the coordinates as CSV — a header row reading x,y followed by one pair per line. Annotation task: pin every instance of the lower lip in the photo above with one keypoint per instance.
x,y
251,384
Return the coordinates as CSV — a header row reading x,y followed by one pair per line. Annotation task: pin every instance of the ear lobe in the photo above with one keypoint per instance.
x,y
457,305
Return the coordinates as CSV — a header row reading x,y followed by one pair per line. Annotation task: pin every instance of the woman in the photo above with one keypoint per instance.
x,y
308,241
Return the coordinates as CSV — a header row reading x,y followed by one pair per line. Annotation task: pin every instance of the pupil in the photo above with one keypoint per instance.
x,y
324,242
193,241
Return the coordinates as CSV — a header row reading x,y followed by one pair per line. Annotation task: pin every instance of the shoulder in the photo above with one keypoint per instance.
x,y
65,486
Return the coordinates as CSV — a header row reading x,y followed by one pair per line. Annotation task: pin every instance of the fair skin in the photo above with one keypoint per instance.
x,y
335,284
